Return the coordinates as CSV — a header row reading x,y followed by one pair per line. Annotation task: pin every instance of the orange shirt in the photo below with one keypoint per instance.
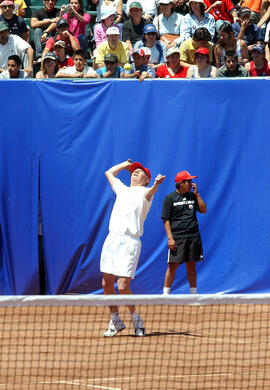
x,y
253,5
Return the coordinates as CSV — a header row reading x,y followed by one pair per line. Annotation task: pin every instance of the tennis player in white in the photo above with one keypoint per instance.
x,y
121,249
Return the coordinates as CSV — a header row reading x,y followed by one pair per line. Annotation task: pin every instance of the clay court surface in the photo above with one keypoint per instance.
x,y
186,347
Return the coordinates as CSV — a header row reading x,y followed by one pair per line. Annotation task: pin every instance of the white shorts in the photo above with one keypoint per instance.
x,y
120,255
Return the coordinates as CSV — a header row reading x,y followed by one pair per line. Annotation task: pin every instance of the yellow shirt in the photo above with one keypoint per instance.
x,y
121,51
19,4
187,51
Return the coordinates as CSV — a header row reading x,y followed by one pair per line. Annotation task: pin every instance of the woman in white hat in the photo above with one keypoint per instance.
x,y
168,24
197,18
115,5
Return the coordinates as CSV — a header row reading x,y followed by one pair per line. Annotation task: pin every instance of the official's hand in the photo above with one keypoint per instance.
x,y
195,188
172,244
159,179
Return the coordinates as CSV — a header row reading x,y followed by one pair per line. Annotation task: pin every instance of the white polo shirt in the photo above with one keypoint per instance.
x,y
15,45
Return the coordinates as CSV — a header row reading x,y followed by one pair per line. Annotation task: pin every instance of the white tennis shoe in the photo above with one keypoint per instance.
x,y
114,328
138,327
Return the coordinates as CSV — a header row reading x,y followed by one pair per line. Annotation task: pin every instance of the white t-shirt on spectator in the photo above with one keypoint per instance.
x,y
72,70
101,7
267,33
5,74
15,45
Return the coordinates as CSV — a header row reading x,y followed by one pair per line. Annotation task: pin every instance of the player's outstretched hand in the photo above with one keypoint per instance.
x,y
159,179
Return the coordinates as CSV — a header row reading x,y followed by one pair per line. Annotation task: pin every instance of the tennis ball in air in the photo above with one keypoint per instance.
x,y
127,66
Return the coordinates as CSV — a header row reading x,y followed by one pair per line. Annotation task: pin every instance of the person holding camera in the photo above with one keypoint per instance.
x,y
182,229
78,21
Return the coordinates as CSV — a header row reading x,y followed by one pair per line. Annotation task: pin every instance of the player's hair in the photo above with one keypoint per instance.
x,y
16,59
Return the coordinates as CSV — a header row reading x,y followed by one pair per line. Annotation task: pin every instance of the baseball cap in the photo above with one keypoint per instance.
x,y
110,57
149,28
6,2
139,51
106,13
3,26
259,48
202,50
50,55
244,11
171,51
135,4
112,31
60,43
183,175
147,51
136,165
62,22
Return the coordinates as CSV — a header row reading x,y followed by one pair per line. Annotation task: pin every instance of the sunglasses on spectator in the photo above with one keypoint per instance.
x,y
50,1
110,62
7,6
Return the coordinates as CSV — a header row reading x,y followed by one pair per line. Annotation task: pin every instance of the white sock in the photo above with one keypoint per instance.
x,y
115,316
193,290
166,290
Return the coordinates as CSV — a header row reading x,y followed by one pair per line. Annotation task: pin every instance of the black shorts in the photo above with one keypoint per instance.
x,y
188,249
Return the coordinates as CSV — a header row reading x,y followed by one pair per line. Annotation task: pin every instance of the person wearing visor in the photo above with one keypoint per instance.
x,y
182,229
111,69
121,249
203,67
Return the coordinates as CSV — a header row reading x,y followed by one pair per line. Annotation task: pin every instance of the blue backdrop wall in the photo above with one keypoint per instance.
x,y
68,133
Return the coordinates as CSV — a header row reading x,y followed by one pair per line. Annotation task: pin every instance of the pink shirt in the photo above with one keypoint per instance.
x,y
75,27
100,32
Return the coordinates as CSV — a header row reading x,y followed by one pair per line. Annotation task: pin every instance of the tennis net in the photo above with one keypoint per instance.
x,y
191,342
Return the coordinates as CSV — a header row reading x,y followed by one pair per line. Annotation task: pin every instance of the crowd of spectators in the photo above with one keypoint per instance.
x,y
136,39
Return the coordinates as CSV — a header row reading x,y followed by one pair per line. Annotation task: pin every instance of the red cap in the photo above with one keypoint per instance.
x,y
7,2
136,165
183,175
202,50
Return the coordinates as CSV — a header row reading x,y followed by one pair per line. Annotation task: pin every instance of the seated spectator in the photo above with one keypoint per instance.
x,y
158,49
14,70
49,67
15,23
259,66
222,10
138,69
72,43
13,44
197,17
227,42
244,29
172,69
43,21
79,70
232,68
201,38
107,20
203,68
62,58
112,45
78,20
255,8
149,9
112,5
169,24
20,8
133,27
111,69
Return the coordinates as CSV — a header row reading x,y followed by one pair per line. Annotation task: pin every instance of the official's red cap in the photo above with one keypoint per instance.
x,y
183,175
136,165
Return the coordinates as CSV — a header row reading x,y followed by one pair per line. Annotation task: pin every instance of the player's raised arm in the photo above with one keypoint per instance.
x,y
152,190
113,171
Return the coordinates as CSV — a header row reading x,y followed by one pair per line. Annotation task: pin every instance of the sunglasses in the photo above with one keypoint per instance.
x,y
7,6
50,1
110,62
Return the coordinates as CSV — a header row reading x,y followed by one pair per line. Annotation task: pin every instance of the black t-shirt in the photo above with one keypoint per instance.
x,y
180,210
42,14
16,25
133,32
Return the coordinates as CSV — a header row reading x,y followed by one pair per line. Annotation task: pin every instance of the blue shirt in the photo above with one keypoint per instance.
x,y
252,33
191,23
144,68
170,25
116,75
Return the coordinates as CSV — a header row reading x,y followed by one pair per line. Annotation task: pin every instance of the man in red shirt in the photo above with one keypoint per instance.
x,y
172,69
72,43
